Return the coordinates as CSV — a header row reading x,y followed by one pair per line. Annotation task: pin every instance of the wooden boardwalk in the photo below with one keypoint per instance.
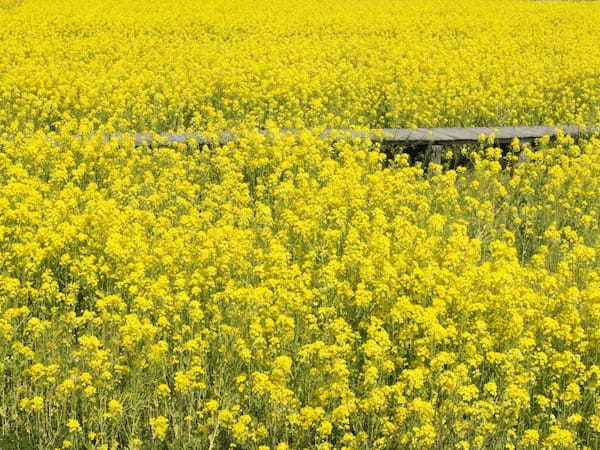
x,y
393,136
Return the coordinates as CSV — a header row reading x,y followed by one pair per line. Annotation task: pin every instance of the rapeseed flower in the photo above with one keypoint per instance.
x,y
160,426
284,290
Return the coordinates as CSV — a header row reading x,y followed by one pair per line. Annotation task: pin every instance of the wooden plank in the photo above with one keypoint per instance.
x,y
395,136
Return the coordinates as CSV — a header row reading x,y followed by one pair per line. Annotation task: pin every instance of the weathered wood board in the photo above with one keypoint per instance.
x,y
393,136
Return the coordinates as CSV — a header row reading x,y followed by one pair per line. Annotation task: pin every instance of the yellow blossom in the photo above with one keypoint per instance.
x,y
159,426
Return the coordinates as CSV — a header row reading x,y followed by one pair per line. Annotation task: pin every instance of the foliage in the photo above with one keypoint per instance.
x,y
285,291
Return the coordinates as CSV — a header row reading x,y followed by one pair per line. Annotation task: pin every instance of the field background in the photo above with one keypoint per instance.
x,y
173,65
288,292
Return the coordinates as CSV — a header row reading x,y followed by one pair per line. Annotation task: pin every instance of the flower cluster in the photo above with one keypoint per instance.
x,y
285,291
291,292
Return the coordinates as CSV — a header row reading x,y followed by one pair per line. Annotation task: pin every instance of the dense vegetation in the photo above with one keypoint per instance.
x,y
290,292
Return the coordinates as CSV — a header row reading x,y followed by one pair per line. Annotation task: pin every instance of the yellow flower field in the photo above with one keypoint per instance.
x,y
290,292
177,64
